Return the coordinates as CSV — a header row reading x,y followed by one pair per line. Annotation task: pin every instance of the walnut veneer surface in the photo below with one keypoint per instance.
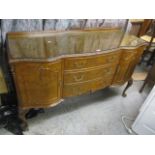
x,y
51,66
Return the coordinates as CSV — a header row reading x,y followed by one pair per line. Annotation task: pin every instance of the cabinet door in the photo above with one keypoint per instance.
x,y
38,84
125,67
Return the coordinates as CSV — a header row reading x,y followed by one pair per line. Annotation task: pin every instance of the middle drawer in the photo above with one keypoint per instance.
x,y
88,74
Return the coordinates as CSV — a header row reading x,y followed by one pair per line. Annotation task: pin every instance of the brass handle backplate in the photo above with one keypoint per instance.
x,y
80,64
78,78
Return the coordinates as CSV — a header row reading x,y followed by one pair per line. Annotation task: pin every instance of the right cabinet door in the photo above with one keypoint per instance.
x,y
126,66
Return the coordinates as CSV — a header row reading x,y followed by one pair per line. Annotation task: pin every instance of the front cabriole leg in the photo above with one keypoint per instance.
x,y
130,82
22,116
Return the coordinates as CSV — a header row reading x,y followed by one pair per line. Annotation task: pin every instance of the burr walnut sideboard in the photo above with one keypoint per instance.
x,y
50,66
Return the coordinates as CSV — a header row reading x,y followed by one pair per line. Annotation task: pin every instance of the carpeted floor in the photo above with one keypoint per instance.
x,y
97,113
91,114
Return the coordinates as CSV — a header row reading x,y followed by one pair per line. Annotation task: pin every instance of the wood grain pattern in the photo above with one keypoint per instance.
x,y
3,86
127,64
45,45
91,61
42,81
38,83
41,84
85,87
82,75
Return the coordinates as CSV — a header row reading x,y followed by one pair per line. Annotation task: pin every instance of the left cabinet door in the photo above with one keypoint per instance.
x,y
38,84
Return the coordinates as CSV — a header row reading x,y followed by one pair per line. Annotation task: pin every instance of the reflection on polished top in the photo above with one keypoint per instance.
x,y
44,45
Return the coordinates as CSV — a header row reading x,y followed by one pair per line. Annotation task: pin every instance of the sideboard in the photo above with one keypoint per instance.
x,y
50,66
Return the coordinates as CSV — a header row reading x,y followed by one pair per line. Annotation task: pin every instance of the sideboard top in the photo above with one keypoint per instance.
x,y
46,45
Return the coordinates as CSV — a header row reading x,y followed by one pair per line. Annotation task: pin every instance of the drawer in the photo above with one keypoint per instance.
x,y
102,83
91,61
85,87
89,74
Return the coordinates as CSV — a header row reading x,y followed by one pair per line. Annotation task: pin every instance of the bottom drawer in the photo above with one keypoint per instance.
x,y
85,87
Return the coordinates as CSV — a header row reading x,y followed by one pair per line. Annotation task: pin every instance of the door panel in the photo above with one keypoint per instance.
x,y
39,84
126,66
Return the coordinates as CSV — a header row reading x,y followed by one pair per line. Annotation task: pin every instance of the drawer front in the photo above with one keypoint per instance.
x,y
91,61
102,83
85,87
89,74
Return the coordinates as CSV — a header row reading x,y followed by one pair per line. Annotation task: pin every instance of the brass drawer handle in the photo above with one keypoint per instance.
x,y
78,78
106,71
80,64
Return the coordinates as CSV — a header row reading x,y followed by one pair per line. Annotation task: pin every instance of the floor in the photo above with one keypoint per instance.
x,y
92,114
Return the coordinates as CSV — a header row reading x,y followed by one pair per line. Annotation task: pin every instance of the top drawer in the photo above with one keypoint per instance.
x,y
91,61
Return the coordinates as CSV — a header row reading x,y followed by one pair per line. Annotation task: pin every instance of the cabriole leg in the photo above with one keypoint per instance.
x,y
145,82
130,82
22,117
